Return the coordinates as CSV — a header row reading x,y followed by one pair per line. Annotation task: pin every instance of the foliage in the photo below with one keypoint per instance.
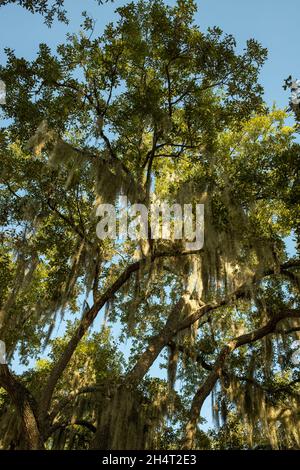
x,y
50,12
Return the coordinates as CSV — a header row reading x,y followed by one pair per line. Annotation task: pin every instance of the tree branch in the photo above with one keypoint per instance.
x,y
205,389
25,405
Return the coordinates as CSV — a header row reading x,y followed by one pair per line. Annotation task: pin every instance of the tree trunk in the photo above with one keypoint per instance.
x,y
25,405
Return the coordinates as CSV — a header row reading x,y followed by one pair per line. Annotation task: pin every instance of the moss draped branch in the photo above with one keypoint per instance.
x,y
205,388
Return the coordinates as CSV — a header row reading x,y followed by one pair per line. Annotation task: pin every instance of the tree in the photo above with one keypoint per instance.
x,y
154,108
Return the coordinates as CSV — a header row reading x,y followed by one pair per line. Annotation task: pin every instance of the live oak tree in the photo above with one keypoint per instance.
x,y
153,109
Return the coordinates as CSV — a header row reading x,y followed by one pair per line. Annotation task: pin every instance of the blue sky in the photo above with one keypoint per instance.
x,y
274,23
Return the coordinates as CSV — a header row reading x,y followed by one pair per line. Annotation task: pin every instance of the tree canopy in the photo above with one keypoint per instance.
x,y
154,109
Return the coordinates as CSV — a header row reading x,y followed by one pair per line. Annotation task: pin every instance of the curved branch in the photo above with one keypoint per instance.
x,y
25,405
173,326
85,323
205,389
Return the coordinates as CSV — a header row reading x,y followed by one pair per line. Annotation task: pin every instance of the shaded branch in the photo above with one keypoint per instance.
x,y
25,405
205,388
